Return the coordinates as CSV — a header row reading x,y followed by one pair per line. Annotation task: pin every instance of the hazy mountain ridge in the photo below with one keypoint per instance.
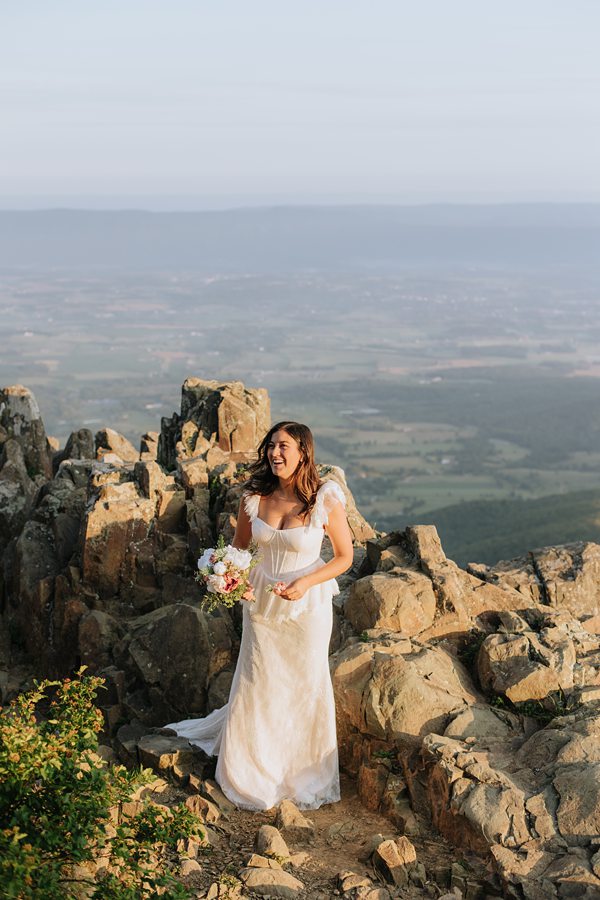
x,y
288,238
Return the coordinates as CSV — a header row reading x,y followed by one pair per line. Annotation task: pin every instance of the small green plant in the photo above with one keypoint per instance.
x,y
56,799
551,707
384,754
470,649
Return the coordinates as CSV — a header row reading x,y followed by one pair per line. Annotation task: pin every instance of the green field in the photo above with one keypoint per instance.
x,y
436,393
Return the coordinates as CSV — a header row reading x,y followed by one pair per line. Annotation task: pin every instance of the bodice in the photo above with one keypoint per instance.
x,y
289,549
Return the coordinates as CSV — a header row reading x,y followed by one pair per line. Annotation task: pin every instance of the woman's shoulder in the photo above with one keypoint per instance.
x,y
328,494
251,502
330,491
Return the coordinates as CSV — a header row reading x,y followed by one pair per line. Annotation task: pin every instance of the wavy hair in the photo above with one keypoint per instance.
x,y
306,481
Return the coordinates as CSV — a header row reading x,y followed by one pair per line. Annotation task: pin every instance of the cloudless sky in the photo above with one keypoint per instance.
x,y
199,103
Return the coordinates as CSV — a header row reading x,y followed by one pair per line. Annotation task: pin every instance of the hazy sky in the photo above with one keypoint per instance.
x,y
195,103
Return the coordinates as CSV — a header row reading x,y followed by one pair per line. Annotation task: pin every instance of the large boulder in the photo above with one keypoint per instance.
x,y
389,688
398,600
415,555
174,653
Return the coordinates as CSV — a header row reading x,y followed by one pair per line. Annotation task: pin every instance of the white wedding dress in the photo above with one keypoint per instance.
x,y
276,737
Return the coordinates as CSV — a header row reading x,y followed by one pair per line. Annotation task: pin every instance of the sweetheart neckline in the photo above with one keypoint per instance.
x,y
272,527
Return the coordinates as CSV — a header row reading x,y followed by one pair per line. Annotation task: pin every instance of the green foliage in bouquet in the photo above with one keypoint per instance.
x,y
57,840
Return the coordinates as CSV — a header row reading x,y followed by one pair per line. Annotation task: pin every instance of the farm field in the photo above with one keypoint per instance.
x,y
431,391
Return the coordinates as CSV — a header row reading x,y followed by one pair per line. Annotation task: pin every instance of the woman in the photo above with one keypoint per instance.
x,y
276,737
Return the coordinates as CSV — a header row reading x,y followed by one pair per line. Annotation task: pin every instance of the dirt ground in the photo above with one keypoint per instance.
x,y
345,836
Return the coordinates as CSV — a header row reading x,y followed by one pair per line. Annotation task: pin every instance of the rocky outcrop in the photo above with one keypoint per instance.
x,y
535,809
465,699
566,578
21,421
222,418
100,558
25,459
495,757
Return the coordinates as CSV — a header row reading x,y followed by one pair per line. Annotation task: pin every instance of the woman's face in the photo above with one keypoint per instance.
x,y
283,454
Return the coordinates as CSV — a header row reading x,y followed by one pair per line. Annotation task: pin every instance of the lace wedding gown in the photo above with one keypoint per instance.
x,y
276,738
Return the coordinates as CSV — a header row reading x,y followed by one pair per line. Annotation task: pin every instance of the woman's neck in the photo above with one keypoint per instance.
x,y
285,490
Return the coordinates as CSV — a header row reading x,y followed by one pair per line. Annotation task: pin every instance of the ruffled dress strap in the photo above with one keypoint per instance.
x,y
251,504
328,495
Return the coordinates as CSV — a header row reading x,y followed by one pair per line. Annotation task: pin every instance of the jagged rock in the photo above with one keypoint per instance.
x,y
571,577
272,882
566,577
98,632
228,416
292,824
20,420
203,808
391,860
193,473
150,478
517,574
109,441
505,666
461,598
396,600
16,491
149,446
115,527
170,510
527,664
269,842
262,862
80,445
536,809
212,791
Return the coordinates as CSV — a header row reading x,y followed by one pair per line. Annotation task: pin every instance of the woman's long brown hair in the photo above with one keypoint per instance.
x,y
306,481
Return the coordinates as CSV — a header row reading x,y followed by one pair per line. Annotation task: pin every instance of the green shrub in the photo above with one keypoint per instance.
x,y
58,840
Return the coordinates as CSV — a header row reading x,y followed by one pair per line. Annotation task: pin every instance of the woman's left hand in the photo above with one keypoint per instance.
x,y
295,590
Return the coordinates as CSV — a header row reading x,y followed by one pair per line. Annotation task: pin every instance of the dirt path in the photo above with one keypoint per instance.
x,y
344,838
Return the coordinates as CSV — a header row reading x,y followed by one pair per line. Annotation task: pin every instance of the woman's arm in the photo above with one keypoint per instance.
x,y
243,528
343,556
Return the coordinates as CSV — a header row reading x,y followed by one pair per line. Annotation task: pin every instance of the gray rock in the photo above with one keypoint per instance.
x,y
272,882
108,440
269,842
398,600
294,826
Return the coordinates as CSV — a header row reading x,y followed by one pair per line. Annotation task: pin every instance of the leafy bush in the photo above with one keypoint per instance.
x,y
60,831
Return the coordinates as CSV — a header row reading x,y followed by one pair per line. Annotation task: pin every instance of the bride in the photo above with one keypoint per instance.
x,y
275,738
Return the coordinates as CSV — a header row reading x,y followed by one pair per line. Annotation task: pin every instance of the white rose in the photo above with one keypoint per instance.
x,y
241,559
204,560
219,568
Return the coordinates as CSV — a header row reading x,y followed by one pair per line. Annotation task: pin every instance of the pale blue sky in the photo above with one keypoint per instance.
x,y
191,103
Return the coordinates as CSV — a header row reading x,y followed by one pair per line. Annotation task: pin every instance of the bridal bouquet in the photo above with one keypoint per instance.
x,y
224,570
